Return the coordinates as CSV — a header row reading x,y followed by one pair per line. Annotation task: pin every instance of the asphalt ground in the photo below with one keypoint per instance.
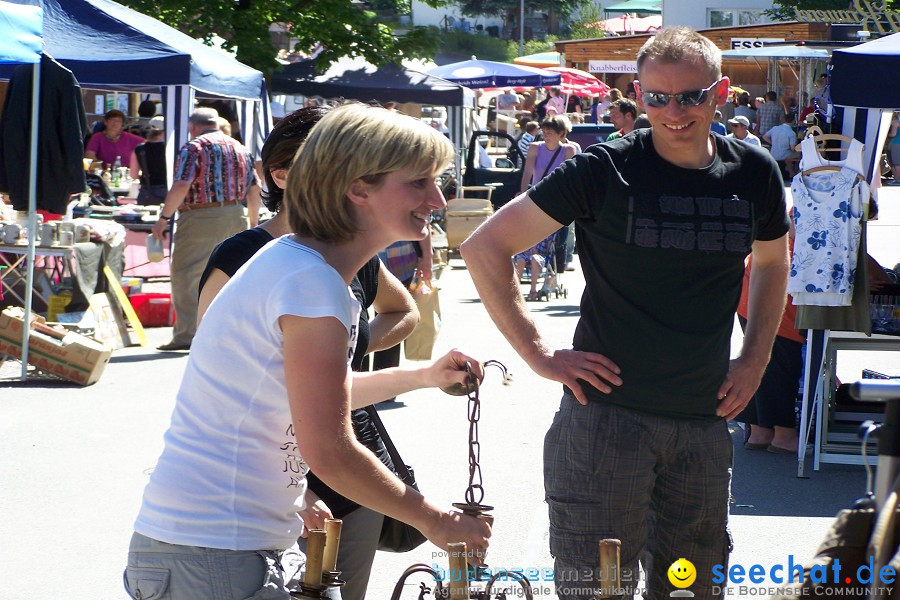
x,y
75,460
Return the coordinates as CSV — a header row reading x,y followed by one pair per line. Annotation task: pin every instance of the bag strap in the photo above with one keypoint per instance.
x,y
552,158
399,466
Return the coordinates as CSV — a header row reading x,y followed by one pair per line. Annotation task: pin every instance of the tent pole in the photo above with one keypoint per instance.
x,y
32,214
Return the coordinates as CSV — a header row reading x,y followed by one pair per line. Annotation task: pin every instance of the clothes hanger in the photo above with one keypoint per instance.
x,y
828,168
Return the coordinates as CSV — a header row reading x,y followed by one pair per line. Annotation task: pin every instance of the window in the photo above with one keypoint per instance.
x,y
730,17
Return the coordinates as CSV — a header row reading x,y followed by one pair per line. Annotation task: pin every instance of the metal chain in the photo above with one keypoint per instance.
x,y
475,491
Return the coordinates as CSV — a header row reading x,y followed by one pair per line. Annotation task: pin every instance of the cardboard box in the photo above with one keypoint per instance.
x,y
70,355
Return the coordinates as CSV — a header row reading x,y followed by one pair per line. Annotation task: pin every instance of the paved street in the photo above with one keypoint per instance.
x,y
75,460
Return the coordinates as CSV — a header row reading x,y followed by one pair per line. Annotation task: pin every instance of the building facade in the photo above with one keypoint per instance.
x,y
715,13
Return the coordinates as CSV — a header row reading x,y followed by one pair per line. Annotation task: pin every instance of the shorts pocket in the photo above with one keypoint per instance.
x,y
146,583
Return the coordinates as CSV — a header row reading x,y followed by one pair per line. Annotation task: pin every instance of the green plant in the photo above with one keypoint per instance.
x,y
466,45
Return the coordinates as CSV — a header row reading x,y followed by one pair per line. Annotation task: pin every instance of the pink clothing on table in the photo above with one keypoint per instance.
x,y
107,150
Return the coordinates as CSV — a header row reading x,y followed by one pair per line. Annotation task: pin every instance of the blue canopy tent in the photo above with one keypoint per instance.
x,y
21,44
109,46
861,86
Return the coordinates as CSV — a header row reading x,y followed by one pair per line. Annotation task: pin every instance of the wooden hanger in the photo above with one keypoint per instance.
x,y
821,138
829,168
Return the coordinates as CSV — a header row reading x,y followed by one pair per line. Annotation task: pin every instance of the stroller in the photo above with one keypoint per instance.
x,y
865,536
541,259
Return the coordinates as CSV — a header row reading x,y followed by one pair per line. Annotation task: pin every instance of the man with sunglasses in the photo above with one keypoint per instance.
x,y
639,449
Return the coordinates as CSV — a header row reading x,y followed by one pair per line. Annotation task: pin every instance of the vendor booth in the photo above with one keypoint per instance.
x,y
865,93
109,46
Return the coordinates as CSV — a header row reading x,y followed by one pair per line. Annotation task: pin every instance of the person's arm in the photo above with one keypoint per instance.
x,y
518,225
253,204
211,287
426,260
175,197
528,171
570,151
768,137
765,305
370,387
134,168
318,386
396,314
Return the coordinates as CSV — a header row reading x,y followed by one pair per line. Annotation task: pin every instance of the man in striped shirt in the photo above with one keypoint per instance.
x,y
213,172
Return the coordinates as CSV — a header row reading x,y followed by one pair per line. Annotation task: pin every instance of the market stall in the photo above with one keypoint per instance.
x,y
21,45
109,46
865,93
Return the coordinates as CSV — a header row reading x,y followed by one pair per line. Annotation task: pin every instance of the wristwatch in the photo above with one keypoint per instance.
x,y
163,217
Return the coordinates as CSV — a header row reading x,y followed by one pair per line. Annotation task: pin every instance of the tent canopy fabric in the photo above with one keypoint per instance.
x,y
358,79
864,75
579,83
106,44
652,7
21,40
541,60
777,52
476,73
627,24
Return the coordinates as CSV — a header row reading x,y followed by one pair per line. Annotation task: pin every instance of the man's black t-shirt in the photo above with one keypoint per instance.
x,y
228,257
662,249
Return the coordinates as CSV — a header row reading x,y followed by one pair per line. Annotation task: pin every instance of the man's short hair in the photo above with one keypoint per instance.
x,y
204,117
114,114
626,106
771,96
557,123
355,142
532,126
677,44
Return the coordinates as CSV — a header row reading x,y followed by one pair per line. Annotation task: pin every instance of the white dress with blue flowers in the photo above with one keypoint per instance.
x,y
828,209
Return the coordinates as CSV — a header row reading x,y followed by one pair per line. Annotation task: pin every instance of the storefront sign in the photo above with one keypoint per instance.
x,y
612,66
739,43
872,15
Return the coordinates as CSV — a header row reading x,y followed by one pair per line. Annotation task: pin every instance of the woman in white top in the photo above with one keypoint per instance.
x,y
266,393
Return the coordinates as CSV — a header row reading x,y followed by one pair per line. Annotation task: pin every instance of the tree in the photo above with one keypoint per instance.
x,y
783,10
342,27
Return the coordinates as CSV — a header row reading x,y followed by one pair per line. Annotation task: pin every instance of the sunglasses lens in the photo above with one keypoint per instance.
x,y
656,100
694,98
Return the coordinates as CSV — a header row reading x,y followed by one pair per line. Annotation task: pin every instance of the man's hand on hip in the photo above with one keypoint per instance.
x,y
569,366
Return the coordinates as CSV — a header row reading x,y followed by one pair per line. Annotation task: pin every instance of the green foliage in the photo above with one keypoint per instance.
x,y
342,27
465,45
530,47
585,26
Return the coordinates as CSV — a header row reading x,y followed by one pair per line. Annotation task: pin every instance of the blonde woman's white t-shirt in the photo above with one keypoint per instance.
x,y
231,475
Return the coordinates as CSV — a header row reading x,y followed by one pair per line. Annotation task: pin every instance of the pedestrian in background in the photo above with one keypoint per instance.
x,y
213,178
640,448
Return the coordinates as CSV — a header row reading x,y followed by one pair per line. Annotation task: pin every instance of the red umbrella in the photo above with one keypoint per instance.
x,y
579,83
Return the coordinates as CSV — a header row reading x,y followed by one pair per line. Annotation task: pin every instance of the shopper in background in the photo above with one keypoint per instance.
x,y
113,142
214,177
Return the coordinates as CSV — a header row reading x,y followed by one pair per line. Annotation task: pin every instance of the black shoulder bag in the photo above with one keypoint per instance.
x,y
396,536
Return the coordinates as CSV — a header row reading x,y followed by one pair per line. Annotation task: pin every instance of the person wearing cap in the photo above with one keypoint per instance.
x,y
148,163
113,141
740,129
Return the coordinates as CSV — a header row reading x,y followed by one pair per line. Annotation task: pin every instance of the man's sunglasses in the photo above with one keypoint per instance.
x,y
694,98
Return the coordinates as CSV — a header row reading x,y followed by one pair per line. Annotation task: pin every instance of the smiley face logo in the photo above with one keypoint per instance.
x,y
682,573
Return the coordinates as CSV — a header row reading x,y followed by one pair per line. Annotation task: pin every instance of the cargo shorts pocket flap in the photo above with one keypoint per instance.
x,y
146,583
